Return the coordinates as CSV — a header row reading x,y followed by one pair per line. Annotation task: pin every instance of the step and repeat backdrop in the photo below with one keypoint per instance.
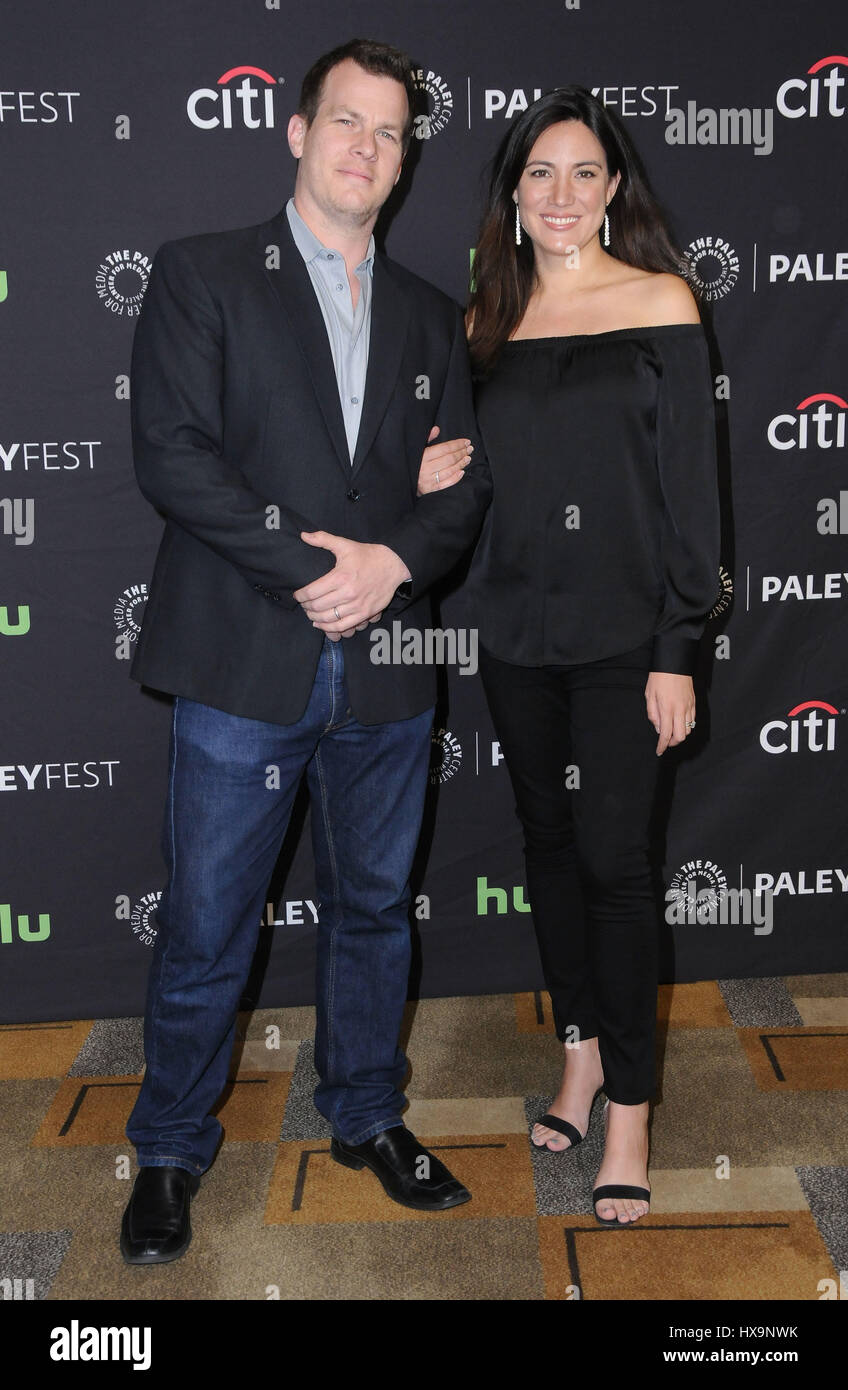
x,y
125,125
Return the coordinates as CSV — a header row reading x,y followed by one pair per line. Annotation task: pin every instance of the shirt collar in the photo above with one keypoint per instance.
x,y
311,248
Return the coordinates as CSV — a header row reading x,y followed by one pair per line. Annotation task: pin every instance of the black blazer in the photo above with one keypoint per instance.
x,y
235,409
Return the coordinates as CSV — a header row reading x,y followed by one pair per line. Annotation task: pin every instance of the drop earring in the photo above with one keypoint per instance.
x,y
517,227
606,229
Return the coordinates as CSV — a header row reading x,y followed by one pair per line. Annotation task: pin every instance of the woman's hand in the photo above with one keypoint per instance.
x,y
671,707
442,465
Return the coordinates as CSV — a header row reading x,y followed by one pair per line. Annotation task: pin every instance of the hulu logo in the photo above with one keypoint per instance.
x,y
17,629
485,894
25,931
4,288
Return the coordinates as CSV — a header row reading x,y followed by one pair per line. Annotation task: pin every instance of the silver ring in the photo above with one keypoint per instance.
x,y
437,480
338,615
691,725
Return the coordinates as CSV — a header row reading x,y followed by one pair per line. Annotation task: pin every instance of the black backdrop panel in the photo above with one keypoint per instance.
x,y
118,134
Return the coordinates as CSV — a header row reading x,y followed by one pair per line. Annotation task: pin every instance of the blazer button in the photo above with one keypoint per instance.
x,y
353,495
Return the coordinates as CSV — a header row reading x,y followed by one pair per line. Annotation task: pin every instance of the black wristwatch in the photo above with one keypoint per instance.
x,y
404,590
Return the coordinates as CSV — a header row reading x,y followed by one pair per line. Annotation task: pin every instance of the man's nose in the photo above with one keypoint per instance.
x,y
366,144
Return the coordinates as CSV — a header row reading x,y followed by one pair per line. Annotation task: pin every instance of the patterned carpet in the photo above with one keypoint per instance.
x,y
749,1161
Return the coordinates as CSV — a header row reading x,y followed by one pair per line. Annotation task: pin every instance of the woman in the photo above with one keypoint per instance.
x,y
595,570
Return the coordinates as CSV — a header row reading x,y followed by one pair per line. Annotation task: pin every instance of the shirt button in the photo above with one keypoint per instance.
x,y
340,286
330,256
354,400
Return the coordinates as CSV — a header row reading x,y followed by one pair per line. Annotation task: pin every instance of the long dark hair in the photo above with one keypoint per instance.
x,y
505,274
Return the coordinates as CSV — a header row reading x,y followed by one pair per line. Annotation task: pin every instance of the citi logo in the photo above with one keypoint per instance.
x,y
815,94
816,731
242,103
828,425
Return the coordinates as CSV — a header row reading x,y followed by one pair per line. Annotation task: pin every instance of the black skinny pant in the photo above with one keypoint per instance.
x,y
586,849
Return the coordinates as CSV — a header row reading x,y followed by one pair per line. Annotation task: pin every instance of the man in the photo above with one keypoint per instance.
x,y
285,380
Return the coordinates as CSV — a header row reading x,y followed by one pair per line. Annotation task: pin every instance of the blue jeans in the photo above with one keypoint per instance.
x,y
232,782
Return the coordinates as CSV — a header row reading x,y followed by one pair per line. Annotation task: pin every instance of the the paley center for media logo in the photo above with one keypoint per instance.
x,y
121,281
140,914
436,99
128,611
698,894
714,265
445,757
725,594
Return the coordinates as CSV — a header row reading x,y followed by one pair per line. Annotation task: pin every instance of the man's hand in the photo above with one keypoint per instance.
x,y
357,589
442,465
670,704
348,631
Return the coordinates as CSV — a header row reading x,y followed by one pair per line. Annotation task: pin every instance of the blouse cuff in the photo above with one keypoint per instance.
x,y
677,655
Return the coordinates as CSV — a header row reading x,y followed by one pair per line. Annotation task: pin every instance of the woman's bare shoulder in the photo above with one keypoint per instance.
x,y
665,298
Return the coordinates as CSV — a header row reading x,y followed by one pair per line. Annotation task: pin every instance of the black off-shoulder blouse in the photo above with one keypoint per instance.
x,y
603,532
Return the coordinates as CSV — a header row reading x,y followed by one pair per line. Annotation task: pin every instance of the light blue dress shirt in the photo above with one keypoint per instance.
x,y
348,329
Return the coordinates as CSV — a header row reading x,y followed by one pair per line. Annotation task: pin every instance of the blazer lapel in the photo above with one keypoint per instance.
x,y
299,303
389,324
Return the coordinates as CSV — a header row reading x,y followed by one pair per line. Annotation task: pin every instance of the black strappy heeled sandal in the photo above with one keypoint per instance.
x,y
620,1190
611,1191
564,1127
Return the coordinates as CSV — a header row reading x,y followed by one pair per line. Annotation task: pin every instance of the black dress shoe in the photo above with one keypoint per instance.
x,y
410,1174
156,1227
